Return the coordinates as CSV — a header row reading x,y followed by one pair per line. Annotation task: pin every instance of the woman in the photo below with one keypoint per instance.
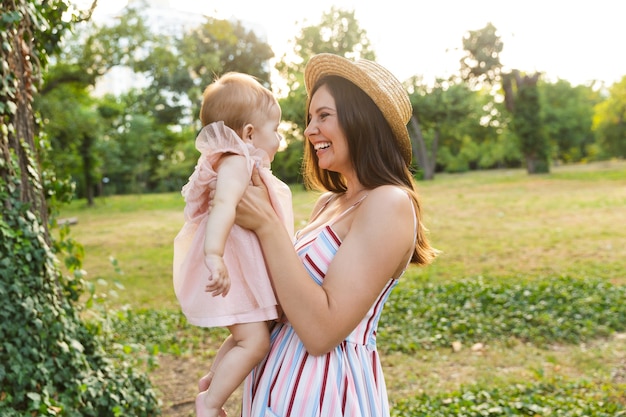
x,y
363,233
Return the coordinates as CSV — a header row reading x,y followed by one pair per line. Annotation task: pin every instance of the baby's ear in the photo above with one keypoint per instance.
x,y
248,130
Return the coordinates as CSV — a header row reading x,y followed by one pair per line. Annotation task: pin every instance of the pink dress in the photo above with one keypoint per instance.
x,y
251,297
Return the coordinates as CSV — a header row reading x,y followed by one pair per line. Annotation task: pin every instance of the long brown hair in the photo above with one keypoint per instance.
x,y
374,152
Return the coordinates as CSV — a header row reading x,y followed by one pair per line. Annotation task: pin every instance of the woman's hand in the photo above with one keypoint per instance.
x,y
254,209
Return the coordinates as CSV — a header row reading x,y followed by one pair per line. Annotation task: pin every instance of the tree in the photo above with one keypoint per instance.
x,y
51,363
216,47
146,147
609,121
482,66
339,33
527,124
567,118
442,113
73,127
68,110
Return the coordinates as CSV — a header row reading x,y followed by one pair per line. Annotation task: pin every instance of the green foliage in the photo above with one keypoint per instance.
x,y
338,32
73,128
558,310
561,310
482,62
544,399
50,363
288,162
610,121
448,116
567,115
161,331
498,151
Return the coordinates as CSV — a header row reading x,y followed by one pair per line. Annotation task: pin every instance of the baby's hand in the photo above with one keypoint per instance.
x,y
219,282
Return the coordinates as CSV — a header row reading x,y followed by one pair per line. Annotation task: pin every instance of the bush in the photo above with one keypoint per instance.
x,y
563,400
51,364
559,310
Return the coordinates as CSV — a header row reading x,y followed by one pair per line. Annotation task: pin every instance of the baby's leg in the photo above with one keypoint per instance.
x,y
205,381
251,344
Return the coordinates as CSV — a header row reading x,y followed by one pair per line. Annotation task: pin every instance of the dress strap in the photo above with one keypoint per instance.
x,y
346,211
333,221
321,209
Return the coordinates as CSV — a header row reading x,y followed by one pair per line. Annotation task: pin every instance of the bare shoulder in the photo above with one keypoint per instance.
x,y
390,191
321,200
386,206
324,197
388,198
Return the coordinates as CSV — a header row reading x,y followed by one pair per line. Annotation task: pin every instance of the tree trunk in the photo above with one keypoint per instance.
x,y
88,167
525,107
54,363
21,140
425,161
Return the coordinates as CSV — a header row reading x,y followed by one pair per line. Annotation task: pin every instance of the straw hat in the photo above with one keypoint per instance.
x,y
377,82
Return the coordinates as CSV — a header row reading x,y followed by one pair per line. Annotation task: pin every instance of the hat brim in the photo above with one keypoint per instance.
x,y
377,82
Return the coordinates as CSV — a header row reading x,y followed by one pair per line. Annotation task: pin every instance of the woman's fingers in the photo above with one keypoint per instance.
x,y
256,178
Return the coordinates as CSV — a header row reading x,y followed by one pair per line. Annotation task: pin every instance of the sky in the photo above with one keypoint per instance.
x,y
575,40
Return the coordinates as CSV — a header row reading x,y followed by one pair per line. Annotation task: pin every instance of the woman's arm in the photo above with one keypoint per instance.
x,y
232,181
375,248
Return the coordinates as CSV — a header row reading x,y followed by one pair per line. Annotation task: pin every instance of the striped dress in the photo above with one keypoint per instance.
x,y
347,381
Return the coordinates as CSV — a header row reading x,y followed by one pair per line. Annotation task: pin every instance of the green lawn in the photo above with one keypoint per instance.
x,y
500,225
503,234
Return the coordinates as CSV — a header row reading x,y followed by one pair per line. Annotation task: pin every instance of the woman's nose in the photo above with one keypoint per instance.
x,y
310,130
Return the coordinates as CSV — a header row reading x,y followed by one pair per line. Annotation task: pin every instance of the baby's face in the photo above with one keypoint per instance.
x,y
266,136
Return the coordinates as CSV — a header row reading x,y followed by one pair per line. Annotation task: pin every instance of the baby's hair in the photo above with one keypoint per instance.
x,y
235,99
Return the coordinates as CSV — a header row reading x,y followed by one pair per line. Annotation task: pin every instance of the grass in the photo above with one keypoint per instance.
x,y
507,225
501,226
137,232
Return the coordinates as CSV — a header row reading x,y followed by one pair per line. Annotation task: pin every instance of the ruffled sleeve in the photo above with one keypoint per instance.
x,y
213,141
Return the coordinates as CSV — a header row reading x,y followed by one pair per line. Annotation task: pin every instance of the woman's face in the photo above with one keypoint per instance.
x,y
325,133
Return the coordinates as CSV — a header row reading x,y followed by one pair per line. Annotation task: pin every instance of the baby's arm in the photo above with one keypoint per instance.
x,y
232,180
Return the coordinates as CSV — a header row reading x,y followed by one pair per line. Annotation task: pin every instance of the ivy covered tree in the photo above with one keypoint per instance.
x,y
51,363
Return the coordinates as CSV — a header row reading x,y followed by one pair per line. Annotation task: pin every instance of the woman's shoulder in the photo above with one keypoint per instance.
x,y
389,193
323,199
387,200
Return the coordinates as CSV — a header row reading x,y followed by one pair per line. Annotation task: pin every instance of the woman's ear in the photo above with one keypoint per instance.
x,y
248,131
